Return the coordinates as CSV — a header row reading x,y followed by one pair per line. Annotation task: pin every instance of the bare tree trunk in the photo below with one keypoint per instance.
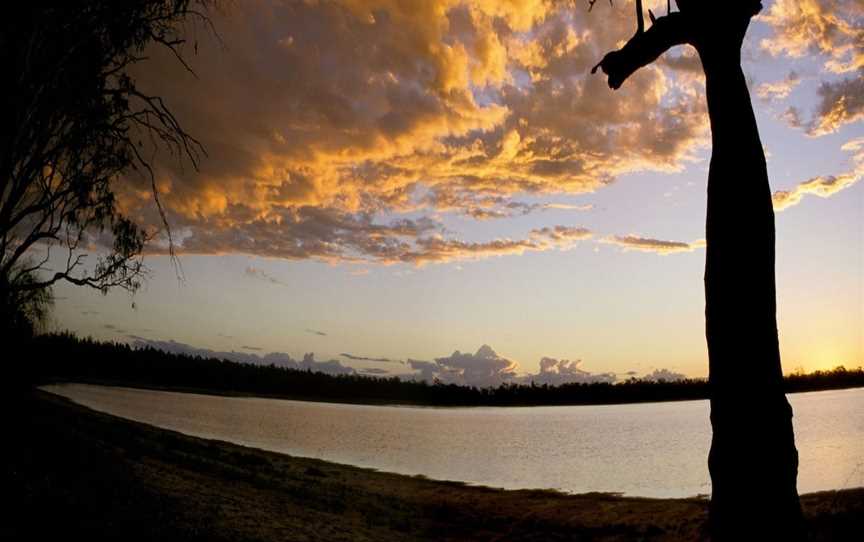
x,y
753,460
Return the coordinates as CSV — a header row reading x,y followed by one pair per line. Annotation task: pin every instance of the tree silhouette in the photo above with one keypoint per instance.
x,y
73,122
753,461
65,357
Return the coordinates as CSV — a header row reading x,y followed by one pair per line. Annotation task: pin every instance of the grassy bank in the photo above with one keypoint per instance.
x,y
70,473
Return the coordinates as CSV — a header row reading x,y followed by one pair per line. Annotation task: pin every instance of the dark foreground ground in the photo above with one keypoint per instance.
x,y
69,473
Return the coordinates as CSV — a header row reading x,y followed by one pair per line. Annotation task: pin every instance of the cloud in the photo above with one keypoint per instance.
x,y
279,359
840,103
555,372
645,244
256,273
825,186
438,249
253,348
566,207
332,236
364,358
779,90
664,375
792,117
834,30
375,371
308,232
490,206
831,28
485,368
315,332
327,123
687,61
425,370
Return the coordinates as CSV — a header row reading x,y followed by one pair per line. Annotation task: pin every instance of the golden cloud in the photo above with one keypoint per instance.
x,y
840,103
833,30
369,108
829,27
330,235
825,186
657,246
436,249
778,90
326,121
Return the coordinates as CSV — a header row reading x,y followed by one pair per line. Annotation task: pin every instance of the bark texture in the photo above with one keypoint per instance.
x,y
753,460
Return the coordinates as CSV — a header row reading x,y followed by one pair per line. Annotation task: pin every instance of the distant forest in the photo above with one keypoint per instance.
x,y
68,358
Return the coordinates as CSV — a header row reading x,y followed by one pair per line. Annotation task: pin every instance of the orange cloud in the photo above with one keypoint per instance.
x,y
331,235
646,244
840,103
833,30
778,90
367,108
327,120
828,27
825,186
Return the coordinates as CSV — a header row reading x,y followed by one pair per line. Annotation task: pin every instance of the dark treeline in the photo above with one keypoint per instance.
x,y
65,357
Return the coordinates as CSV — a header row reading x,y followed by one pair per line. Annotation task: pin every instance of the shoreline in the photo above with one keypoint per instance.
x,y
227,439
104,477
350,401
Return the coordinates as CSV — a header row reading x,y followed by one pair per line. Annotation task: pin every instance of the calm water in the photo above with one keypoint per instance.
x,y
653,449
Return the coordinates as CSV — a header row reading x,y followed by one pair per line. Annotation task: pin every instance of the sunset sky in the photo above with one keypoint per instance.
x,y
396,180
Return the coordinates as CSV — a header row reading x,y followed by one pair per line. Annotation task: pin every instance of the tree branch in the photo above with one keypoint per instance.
x,y
645,47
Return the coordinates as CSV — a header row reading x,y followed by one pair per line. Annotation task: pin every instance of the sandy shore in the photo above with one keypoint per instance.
x,y
72,472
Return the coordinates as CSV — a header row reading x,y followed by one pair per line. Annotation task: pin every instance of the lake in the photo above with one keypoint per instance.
x,y
648,449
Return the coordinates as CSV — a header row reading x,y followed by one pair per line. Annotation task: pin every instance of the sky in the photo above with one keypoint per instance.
x,y
441,189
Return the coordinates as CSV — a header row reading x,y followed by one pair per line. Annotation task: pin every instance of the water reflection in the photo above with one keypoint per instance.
x,y
652,449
